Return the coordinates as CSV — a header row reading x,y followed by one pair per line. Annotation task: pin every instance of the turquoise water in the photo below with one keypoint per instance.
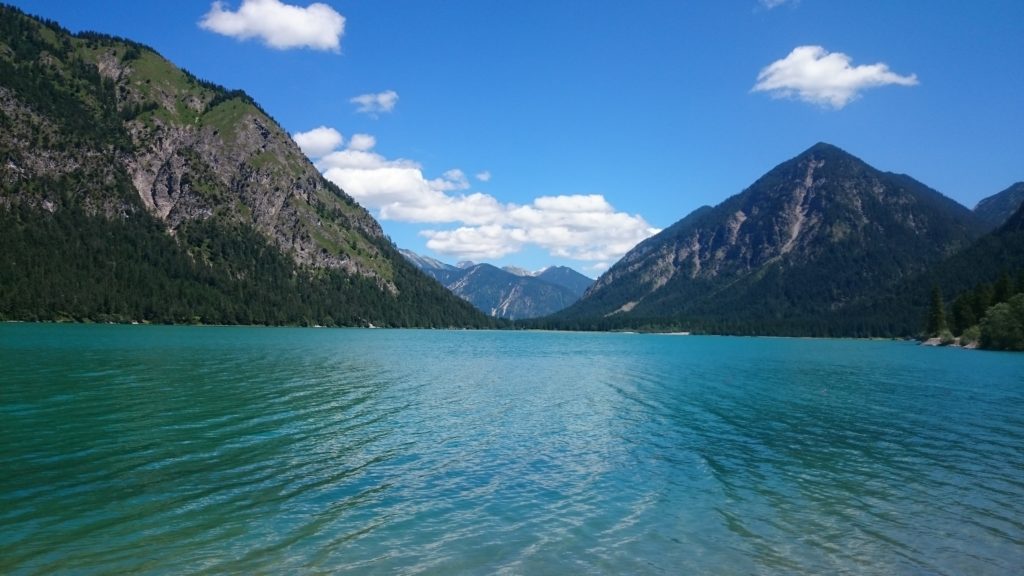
x,y
141,449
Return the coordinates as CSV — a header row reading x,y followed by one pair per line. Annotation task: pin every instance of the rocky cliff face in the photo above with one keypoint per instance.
x,y
190,149
201,155
177,199
809,237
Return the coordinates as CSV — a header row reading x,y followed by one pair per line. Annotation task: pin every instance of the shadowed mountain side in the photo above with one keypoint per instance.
x,y
991,256
995,210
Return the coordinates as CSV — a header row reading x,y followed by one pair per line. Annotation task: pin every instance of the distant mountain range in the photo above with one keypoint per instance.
x,y
510,293
811,248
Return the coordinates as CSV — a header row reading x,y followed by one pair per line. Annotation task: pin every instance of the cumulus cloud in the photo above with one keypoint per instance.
x,y
477,243
278,25
362,142
453,179
578,226
581,226
484,176
319,141
374,104
812,74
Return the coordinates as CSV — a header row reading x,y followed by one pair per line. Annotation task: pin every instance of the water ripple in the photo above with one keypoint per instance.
x,y
228,450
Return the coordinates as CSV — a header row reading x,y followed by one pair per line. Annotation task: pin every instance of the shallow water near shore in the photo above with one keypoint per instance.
x,y
240,450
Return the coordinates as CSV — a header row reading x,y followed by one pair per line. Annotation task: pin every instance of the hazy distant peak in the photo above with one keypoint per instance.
x,y
518,271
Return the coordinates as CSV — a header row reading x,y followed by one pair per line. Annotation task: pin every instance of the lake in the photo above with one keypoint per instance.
x,y
155,449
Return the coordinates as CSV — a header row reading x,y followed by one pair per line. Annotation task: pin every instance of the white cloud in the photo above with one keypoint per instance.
x,y
453,179
484,176
374,104
475,209
478,243
318,141
362,142
769,4
581,226
812,74
279,25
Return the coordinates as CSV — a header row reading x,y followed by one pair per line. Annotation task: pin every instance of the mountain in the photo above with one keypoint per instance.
x,y
997,209
502,293
440,271
999,253
517,271
131,190
815,237
1014,223
567,278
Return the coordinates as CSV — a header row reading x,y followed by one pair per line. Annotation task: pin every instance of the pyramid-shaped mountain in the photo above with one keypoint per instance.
x,y
813,236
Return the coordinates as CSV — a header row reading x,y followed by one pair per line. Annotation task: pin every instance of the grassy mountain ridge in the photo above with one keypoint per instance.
x,y
229,222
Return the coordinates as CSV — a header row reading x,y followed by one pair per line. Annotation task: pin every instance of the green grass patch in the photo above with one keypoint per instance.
x,y
226,117
264,160
160,72
244,210
49,36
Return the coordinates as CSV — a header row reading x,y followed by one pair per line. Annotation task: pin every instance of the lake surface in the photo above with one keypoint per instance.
x,y
150,449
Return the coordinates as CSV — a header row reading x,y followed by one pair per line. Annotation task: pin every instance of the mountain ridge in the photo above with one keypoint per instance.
x,y
813,235
996,209
103,133
502,293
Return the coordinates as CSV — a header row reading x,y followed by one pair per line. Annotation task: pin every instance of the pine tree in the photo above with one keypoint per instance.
x,y
1002,290
963,313
982,299
936,315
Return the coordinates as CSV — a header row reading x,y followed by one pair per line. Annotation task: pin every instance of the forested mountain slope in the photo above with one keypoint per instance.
x,y
131,190
995,210
814,238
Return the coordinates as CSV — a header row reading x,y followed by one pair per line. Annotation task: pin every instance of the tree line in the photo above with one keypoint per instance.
x,y
990,315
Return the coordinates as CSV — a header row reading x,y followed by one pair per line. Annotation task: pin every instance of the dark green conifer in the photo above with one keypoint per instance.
x,y
936,315
1003,289
963,313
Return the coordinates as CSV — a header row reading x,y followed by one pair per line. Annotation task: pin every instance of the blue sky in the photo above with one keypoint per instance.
x,y
562,132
